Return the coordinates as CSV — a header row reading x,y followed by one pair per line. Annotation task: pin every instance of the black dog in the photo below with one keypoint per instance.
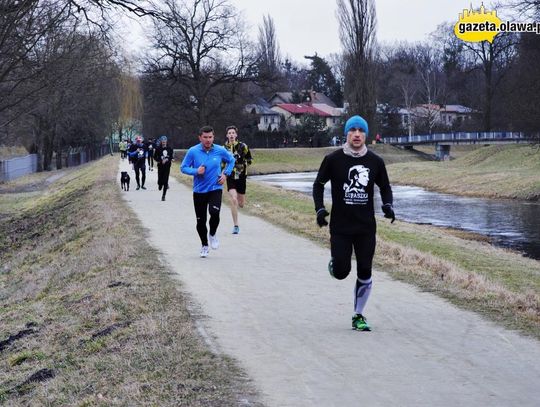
x,y
124,180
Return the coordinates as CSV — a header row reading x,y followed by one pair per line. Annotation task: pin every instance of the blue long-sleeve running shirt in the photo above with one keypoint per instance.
x,y
211,159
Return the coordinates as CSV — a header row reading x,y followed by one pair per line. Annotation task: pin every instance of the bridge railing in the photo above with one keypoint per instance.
x,y
456,137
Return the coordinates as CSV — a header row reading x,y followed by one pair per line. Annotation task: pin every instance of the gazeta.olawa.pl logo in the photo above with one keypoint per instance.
x,y
482,25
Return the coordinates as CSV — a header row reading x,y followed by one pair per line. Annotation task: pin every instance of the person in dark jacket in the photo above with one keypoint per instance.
x,y
163,155
353,172
150,147
138,153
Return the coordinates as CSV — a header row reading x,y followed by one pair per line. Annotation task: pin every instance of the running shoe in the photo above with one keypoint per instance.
x,y
204,251
214,242
236,230
359,323
143,187
331,267
162,198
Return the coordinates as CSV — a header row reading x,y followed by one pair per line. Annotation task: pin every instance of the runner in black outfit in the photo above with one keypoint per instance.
x,y
353,171
137,153
163,156
150,146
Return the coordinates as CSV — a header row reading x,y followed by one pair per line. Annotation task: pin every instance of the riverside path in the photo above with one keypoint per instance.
x,y
266,299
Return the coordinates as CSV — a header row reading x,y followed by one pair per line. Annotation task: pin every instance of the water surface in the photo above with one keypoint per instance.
x,y
508,223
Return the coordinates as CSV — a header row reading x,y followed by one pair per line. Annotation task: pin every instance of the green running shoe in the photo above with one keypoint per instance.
x,y
359,323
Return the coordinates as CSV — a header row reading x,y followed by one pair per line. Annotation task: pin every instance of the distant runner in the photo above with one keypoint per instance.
x,y
353,171
163,156
236,182
138,153
203,162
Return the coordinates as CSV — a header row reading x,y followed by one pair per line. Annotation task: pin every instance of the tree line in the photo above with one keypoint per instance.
x,y
64,82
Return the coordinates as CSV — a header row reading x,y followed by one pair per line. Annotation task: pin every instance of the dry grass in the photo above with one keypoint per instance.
x,y
89,315
12,151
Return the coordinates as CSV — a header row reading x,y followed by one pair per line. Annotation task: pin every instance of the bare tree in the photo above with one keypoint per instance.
x,y
201,47
432,84
493,60
528,8
268,54
358,23
23,25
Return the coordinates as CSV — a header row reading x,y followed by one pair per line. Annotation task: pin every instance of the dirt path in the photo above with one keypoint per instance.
x,y
265,298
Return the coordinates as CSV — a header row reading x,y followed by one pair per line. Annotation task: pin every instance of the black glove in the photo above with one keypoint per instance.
x,y
388,212
321,215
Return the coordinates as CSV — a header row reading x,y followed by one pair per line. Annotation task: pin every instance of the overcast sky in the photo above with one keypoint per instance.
x,y
307,26
304,27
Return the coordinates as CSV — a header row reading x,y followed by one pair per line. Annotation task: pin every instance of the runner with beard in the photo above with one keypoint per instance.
x,y
353,172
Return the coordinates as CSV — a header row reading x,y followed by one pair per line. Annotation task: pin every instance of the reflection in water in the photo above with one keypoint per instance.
x,y
513,224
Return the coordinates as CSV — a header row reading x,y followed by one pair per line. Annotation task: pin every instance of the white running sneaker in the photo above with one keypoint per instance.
x,y
204,251
214,242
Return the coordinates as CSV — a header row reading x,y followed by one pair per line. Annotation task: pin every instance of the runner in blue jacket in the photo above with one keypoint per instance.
x,y
204,162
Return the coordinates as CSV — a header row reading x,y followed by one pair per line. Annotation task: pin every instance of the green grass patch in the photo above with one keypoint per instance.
x,y
25,356
279,160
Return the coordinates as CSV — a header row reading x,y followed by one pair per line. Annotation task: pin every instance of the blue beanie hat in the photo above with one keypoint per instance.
x,y
356,122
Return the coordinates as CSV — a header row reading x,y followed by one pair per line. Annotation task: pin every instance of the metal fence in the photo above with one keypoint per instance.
x,y
17,167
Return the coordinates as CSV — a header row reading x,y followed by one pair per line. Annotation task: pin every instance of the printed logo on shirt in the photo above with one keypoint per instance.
x,y
355,193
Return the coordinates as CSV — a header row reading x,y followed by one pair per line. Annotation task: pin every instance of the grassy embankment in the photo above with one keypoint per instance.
x,y
502,285
89,316
308,159
499,171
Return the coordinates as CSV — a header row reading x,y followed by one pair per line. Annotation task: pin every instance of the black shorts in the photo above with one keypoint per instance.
x,y
341,247
239,184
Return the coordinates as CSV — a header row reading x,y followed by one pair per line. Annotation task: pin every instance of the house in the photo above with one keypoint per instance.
x,y
266,118
456,114
336,114
287,97
435,115
278,111
293,113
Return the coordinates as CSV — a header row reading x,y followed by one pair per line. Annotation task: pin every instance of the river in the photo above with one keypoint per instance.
x,y
508,223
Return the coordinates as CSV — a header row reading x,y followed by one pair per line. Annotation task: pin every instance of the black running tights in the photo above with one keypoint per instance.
x,y
142,169
210,201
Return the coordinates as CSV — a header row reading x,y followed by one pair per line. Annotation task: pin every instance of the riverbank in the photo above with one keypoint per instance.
x,y
90,314
280,160
499,171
